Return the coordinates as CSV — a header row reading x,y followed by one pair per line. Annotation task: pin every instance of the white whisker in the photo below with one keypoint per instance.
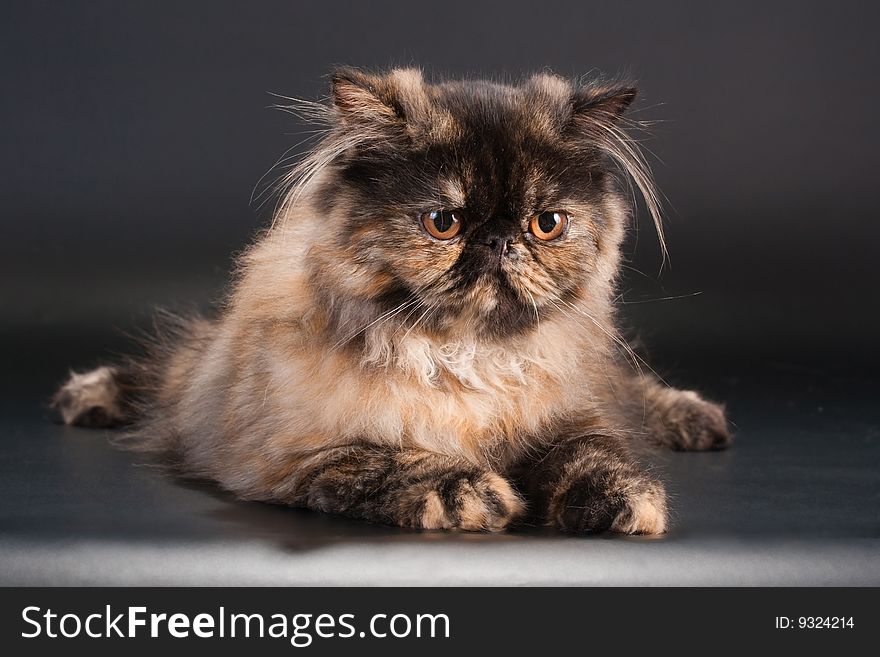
x,y
669,298
380,319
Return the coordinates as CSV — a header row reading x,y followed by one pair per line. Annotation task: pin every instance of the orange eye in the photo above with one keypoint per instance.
x,y
548,225
442,224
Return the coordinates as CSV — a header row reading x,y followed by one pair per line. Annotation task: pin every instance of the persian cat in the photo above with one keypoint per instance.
x,y
426,334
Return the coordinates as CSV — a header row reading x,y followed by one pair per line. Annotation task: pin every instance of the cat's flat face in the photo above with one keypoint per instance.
x,y
471,203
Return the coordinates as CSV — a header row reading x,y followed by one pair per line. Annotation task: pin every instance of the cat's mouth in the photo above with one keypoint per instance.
x,y
490,298
496,301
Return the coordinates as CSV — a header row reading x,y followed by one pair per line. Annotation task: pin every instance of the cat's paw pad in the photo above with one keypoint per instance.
x,y
482,502
615,503
90,399
690,423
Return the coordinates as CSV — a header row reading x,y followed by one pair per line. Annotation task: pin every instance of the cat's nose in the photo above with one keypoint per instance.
x,y
499,245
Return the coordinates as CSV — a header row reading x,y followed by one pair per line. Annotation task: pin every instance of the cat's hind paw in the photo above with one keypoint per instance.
x,y
90,399
685,421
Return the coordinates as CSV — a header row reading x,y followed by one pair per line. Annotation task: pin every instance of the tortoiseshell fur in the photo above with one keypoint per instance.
x,y
363,367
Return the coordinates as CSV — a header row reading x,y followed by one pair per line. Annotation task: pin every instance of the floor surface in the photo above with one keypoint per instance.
x,y
794,502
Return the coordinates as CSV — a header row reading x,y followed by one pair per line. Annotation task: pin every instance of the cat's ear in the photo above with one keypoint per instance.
x,y
361,97
377,101
601,103
595,111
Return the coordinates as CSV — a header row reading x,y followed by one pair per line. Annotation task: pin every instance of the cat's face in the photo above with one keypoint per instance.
x,y
472,204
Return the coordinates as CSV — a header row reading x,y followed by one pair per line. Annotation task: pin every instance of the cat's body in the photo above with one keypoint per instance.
x,y
386,357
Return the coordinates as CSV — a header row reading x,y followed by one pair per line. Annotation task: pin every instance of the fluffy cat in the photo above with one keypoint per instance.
x,y
425,336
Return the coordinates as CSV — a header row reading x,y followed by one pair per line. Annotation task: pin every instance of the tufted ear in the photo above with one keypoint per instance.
x,y
367,100
595,111
603,103
361,97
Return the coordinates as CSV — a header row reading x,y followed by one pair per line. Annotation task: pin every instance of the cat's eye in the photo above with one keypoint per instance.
x,y
442,224
548,225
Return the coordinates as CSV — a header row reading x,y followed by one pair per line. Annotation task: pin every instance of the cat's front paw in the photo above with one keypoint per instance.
x,y
685,421
627,504
479,502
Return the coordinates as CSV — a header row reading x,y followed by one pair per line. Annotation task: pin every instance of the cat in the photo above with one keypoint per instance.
x,y
425,336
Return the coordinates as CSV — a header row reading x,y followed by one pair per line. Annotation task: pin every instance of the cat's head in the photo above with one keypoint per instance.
x,y
472,205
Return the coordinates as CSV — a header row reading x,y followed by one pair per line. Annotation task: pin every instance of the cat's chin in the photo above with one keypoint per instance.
x,y
506,320
493,309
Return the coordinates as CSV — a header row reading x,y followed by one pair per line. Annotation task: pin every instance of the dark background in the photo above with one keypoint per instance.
x,y
134,134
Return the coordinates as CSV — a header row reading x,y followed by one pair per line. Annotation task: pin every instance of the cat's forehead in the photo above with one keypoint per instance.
x,y
475,97
490,147
480,108
502,142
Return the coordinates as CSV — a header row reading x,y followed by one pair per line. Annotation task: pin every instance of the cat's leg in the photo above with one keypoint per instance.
x,y
680,419
592,484
406,487
118,394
